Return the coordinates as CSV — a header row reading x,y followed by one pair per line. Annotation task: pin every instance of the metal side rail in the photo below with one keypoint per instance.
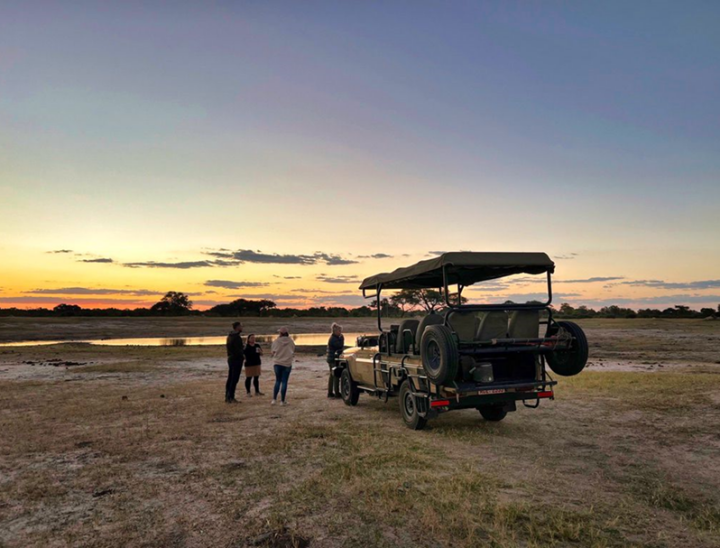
x,y
385,390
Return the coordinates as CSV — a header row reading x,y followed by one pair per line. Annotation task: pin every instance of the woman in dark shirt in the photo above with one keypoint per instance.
x,y
252,365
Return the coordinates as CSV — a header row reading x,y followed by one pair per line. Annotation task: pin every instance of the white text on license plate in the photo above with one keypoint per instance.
x,y
495,391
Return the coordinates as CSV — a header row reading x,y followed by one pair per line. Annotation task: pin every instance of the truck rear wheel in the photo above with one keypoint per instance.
x,y
408,408
348,388
494,413
570,361
439,352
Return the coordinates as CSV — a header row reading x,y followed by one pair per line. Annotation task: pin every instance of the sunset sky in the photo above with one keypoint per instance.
x,y
286,150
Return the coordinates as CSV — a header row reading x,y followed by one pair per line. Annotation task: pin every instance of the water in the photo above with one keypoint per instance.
x,y
307,339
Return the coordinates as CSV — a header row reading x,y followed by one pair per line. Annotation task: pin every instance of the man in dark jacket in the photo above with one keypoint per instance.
x,y
336,343
236,355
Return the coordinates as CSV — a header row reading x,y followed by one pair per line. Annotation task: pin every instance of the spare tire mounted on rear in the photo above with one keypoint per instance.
x,y
571,360
439,352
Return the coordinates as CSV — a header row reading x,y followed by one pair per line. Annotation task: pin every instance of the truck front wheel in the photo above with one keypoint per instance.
x,y
348,388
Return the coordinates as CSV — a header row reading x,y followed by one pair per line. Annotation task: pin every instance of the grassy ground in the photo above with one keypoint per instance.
x,y
135,447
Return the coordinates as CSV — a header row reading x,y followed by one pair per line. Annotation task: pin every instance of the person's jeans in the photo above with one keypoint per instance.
x,y
282,374
333,382
234,368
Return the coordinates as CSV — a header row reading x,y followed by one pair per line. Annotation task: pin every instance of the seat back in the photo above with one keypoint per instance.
x,y
524,324
465,324
430,319
405,340
494,325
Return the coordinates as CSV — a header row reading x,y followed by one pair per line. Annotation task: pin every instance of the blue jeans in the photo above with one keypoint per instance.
x,y
282,374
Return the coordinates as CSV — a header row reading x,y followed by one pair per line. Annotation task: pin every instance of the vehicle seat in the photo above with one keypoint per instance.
x,y
494,325
524,324
404,342
465,324
426,321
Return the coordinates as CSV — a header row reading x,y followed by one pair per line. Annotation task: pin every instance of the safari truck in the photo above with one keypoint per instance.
x,y
481,356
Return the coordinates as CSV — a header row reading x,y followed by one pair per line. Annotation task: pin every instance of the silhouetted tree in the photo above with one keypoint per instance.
x,y
67,310
174,302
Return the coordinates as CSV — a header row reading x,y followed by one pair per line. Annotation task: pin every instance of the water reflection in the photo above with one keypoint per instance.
x,y
305,339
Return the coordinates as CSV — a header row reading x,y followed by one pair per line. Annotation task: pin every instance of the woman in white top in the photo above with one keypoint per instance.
x,y
283,353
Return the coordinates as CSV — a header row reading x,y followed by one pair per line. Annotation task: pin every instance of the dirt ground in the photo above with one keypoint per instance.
x,y
133,446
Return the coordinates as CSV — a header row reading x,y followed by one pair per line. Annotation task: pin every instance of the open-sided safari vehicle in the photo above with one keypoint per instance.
x,y
481,356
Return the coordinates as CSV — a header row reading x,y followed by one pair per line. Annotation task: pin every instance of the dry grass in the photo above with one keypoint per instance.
x,y
138,449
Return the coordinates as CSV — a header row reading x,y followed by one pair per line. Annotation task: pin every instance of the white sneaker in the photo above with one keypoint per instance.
x,y
283,403
272,402
248,395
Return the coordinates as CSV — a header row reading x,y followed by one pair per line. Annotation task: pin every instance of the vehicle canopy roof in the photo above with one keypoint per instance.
x,y
462,267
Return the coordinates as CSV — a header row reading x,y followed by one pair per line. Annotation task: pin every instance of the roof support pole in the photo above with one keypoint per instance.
x,y
379,307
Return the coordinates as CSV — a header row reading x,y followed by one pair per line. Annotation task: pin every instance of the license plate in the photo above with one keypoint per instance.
x,y
494,391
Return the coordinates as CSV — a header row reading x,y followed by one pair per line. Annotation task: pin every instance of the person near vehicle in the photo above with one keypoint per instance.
x,y
336,344
252,365
235,356
283,353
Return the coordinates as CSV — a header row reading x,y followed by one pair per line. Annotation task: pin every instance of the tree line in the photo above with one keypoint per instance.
x,y
408,302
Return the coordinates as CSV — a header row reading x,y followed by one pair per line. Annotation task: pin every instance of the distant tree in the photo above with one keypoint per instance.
x,y
649,313
174,302
244,307
705,312
615,311
387,308
406,300
431,300
67,310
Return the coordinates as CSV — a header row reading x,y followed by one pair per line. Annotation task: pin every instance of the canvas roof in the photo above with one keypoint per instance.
x,y
465,267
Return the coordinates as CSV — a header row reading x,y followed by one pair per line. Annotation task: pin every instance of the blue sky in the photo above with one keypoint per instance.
x,y
152,131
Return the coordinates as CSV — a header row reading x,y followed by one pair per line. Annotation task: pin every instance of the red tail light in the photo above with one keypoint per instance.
x,y
440,403
547,394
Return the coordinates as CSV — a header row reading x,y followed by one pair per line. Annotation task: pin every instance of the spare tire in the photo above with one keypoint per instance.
x,y
439,353
570,361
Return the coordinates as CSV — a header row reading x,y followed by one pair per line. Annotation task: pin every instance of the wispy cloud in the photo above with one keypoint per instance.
x,y
181,265
315,291
566,256
337,279
657,300
51,300
250,256
227,284
661,284
343,299
99,260
93,291
591,280
60,251
376,256
524,297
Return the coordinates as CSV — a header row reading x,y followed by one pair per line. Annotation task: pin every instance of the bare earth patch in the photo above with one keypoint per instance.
x,y
137,448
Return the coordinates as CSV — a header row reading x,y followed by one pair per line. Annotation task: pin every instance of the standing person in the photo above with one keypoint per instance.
x,y
283,352
252,365
235,354
336,344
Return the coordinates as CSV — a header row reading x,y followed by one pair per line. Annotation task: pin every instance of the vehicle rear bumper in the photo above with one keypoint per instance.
x,y
493,395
